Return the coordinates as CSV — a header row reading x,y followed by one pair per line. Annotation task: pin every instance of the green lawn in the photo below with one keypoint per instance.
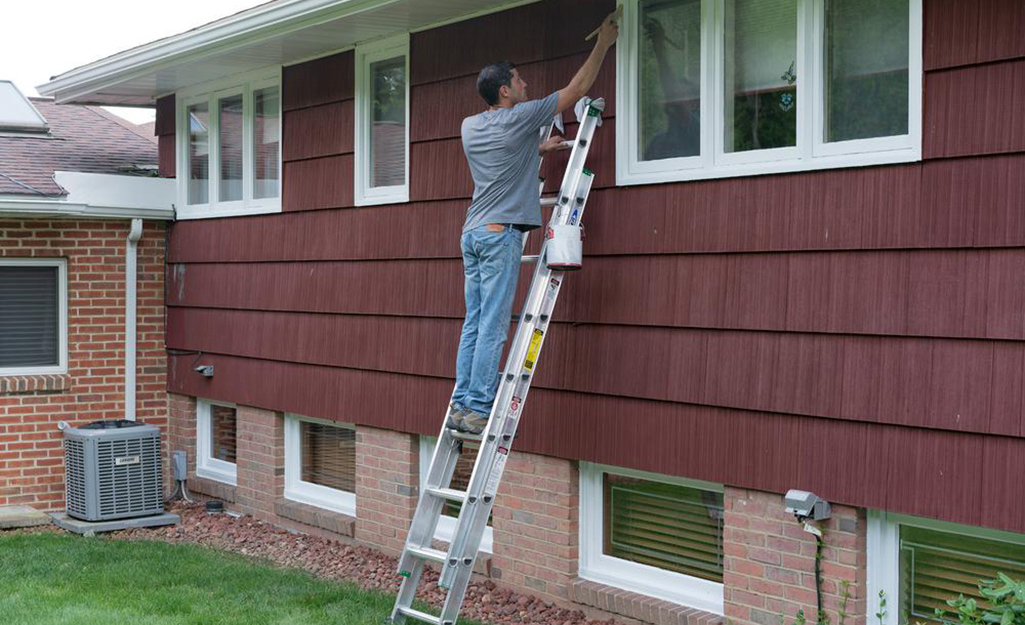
x,y
59,579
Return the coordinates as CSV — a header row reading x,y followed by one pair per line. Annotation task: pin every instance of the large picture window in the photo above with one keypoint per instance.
x,y
653,534
230,146
921,563
33,316
320,463
718,88
382,121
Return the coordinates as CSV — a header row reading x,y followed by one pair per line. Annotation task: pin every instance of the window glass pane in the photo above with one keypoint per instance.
x,y
670,79
388,123
222,427
866,69
668,526
938,566
229,142
761,74
328,456
266,139
199,153
29,316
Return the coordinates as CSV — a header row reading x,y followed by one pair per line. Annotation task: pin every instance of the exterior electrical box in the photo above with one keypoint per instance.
x,y
113,470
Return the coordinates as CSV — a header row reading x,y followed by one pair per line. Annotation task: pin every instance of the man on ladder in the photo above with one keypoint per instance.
x,y
501,146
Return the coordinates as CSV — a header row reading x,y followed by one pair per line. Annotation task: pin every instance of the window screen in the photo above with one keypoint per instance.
x,y
29,316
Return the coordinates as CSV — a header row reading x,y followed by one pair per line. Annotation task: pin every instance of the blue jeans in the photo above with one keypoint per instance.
x,y
491,266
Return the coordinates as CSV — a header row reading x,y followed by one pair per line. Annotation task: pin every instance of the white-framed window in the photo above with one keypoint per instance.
x,y
721,88
229,147
216,441
460,481
382,121
34,316
652,534
320,463
921,563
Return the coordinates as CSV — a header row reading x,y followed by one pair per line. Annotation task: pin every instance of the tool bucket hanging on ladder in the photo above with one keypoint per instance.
x,y
565,248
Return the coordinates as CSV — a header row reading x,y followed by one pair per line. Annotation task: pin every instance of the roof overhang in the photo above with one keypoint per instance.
x,y
281,32
99,196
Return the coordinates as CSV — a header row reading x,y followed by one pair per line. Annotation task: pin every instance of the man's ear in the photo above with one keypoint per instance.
x,y
504,91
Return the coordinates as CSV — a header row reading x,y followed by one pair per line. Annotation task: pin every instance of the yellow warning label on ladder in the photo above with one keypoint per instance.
x,y
535,347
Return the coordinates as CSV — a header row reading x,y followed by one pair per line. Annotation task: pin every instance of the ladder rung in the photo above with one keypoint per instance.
x,y
530,258
420,616
549,201
426,553
465,436
447,493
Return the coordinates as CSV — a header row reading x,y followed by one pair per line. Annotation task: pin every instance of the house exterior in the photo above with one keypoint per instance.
x,y
82,227
803,270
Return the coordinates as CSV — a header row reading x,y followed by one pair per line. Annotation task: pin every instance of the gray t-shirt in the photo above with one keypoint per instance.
x,y
501,147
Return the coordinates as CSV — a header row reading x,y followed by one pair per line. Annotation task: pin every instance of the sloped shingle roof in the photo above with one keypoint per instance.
x,y
82,139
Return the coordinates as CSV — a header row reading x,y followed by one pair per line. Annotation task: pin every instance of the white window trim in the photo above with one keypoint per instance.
x,y
883,547
206,465
62,324
811,152
296,489
365,195
594,565
244,84
446,524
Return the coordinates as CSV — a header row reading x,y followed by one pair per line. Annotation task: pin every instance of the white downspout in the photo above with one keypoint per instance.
x,y
131,289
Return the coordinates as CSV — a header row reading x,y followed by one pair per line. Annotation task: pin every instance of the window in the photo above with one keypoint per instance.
x,y
653,534
320,463
230,138
739,87
460,481
33,316
382,128
921,563
216,436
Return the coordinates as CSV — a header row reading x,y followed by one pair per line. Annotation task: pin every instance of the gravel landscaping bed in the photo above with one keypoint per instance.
x,y
331,559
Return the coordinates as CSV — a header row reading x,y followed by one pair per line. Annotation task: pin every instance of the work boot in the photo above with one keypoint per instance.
x,y
474,422
454,418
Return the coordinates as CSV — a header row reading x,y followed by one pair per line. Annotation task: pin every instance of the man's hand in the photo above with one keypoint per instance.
x,y
554,144
609,30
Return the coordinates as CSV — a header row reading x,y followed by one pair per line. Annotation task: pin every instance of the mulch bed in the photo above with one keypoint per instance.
x,y
332,559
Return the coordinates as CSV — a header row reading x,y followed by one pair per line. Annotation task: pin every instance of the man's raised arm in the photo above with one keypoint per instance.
x,y
584,78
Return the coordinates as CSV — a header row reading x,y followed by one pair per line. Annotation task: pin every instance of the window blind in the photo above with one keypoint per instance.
x,y
938,566
668,526
29,316
329,456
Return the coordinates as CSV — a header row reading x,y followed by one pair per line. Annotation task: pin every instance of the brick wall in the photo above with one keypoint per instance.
x,y
31,456
770,562
387,486
535,521
261,461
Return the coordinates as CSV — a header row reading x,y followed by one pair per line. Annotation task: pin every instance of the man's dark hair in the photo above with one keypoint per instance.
x,y
491,79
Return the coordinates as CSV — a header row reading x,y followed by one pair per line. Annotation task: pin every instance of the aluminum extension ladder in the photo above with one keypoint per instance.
x,y
497,438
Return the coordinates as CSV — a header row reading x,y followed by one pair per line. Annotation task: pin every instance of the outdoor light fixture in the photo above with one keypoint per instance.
x,y
805,505
207,371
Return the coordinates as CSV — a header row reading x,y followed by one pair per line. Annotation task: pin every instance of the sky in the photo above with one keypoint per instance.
x,y
42,38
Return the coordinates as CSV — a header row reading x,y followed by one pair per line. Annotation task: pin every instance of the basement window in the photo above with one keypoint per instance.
x,y
656,535
920,564
382,122
460,481
33,316
229,147
721,88
217,441
320,463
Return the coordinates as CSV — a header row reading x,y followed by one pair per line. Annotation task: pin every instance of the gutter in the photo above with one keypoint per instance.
x,y
131,295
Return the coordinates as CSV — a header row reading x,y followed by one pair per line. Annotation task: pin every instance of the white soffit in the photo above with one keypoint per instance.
x,y
275,33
